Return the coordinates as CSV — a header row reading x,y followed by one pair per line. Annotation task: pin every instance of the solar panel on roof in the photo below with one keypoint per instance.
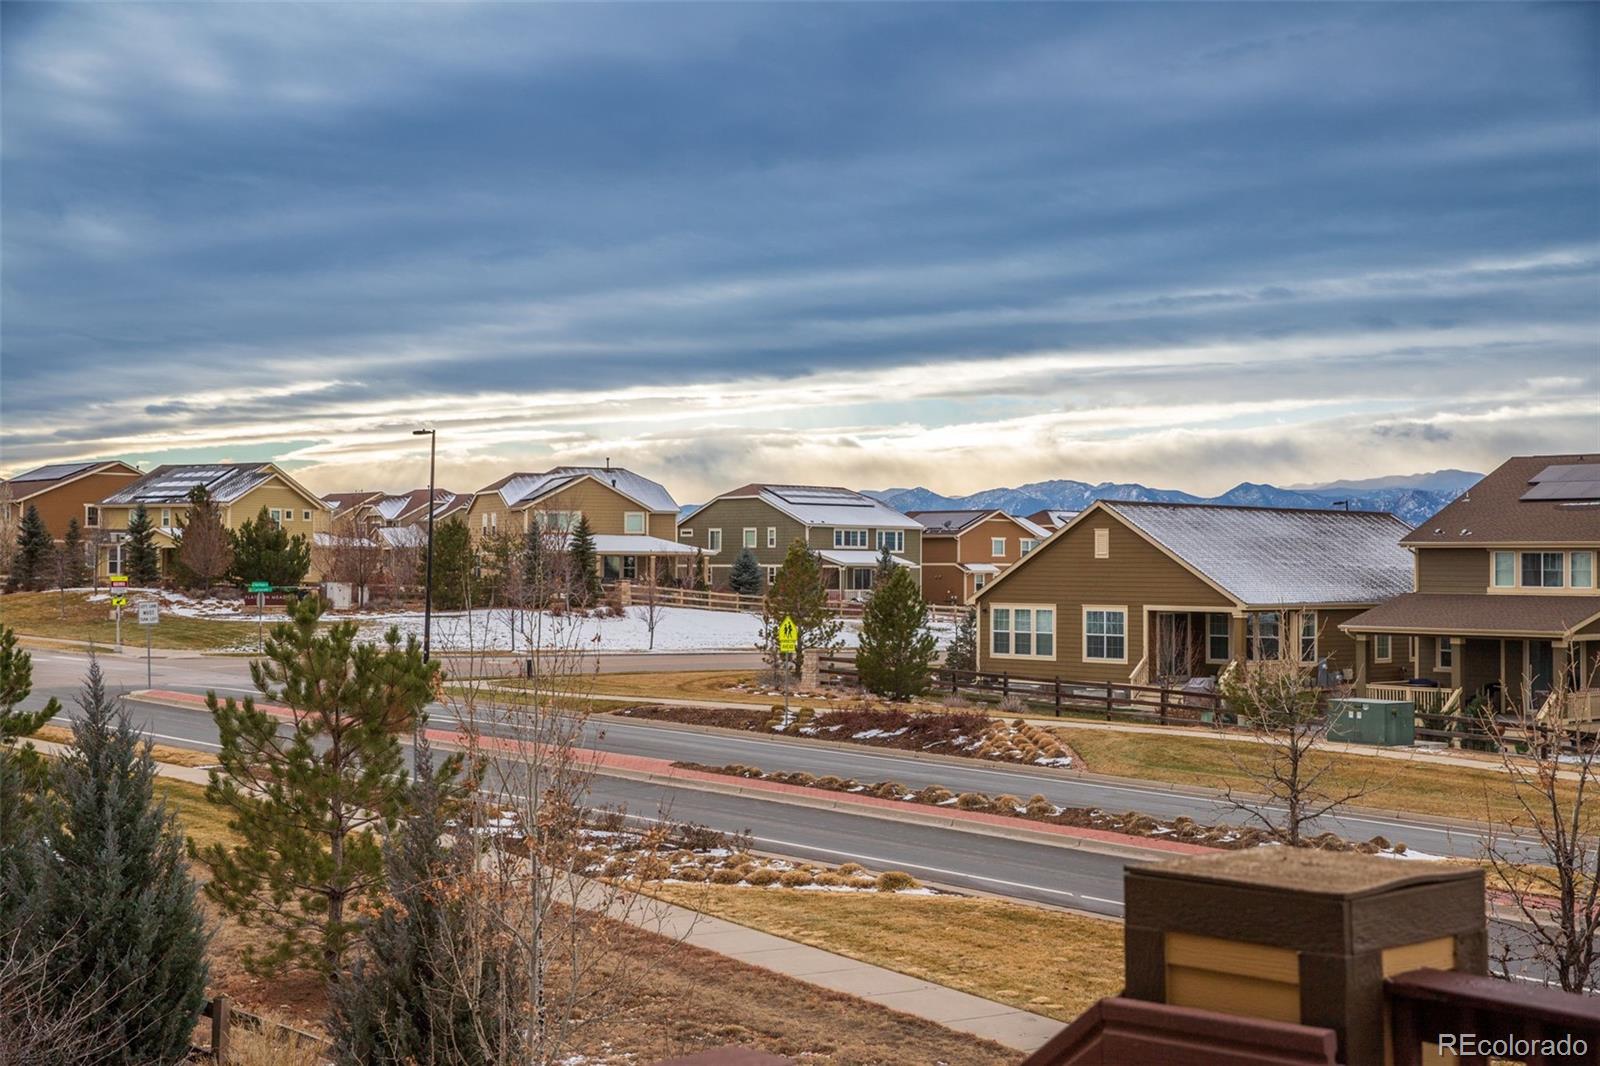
x,y
1565,481
53,473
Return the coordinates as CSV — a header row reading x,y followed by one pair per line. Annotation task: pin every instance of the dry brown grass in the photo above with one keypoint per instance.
x,y
56,734
251,1047
43,614
1049,962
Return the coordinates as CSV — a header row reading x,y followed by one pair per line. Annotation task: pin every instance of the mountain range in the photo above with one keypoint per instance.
x,y
1411,498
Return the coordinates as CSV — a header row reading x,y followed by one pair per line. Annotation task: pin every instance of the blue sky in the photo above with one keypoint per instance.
x,y
955,245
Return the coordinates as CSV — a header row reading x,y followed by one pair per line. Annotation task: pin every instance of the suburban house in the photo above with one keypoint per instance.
x,y
240,489
847,530
633,519
1505,600
1051,520
367,511
61,492
962,551
1144,592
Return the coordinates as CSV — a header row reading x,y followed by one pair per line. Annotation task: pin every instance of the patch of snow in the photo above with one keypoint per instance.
x,y
1058,760
1409,853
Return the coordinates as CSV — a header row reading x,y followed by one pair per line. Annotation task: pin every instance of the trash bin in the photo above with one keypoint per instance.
x,y
1387,723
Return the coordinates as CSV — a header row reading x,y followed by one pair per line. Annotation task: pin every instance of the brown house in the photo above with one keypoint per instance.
x,y
962,551
1137,592
64,491
363,512
1506,598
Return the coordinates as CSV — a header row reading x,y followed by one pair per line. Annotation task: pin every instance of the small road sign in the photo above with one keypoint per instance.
x,y
788,636
149,614
119,581
260,586
119,600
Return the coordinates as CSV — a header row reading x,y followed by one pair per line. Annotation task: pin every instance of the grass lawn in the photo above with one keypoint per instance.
x,y
1049,962
688,685
160,752
1419,787
40,614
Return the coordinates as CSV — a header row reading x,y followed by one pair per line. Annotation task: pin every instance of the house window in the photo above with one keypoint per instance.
x,y
851,538
893,539
307,516
772,536
1542,569
114,558
1505,570
1308,636
1105,634
979,580
714,541
166,518
494,520
633,522
91,517
1582,570
997,547
685,534
1383,648
1219,638
1027,544
1102,544
558,521
772,574
1266,632
750,537
277,516
1023,631
1444,653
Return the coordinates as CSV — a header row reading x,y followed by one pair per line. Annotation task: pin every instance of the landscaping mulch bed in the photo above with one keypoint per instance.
x,y
971,734
1039,809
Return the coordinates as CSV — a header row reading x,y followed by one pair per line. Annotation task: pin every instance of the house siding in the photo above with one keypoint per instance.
x,y
942,578
65,502
732,516
1453,570
602,505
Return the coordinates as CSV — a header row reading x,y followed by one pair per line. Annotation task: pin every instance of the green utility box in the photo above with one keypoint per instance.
x,y
1389,723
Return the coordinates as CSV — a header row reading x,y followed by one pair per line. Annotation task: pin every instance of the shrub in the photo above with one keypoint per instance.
x,y
690,873
700,837
1012,704
895,881
864,881
616,868
889,790
933,794
726,877
972,801
831,782
795,878
766,875
652,868
1007,802
831,880
850,869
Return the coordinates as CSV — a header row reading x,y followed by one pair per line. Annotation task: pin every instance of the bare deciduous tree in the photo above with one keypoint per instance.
x,y
651,609
405,550
35,1026
10,526
352,555
1549,867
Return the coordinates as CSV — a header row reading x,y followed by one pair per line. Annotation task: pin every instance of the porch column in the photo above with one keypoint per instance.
x,y
1236,638
1559,655
1361,664
1458,664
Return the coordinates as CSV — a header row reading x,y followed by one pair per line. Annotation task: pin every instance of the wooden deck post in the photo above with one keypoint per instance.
x,y
1163,703
1058,695
219,1028
1108,701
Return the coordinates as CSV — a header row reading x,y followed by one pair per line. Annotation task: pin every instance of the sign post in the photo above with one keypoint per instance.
x,y
119,600
261,588
149,615
788,641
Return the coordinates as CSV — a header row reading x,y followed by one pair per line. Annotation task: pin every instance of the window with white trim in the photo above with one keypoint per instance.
x,y
1383,648
634,522
750,534
1102,544
91,517
772,536
893,539
1023,632
1219,638
1265,634
997,547
1308,636
1027,544
558,521
308,516
1543,569
851,538
714,541
686,533
277,516
114,557
1505,570
1444,656
1105,634
166,518
1582,570
979,580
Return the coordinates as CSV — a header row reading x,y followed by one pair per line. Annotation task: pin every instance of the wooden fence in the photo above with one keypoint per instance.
x,y
636,594
225,1018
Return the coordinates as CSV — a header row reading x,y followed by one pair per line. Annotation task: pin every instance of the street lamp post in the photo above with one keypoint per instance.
x,y
427,574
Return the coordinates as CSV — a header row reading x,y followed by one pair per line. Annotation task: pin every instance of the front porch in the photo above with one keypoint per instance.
x,y
1499,675
849,575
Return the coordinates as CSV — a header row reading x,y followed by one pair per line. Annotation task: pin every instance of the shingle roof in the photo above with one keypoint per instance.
x,y
44,478
523,488
1281,556
828,505
947,522
1429,612
1493,511
340,501
172,483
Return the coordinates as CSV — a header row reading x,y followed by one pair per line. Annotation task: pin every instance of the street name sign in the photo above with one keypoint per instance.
x,y
260,586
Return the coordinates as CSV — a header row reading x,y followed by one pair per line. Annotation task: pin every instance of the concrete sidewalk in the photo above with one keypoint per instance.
x,y
910,995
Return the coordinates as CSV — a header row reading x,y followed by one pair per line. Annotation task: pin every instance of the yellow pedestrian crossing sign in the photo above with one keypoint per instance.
x,y
788,636
119,601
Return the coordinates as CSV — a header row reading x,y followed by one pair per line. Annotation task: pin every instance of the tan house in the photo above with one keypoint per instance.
x,y
1506,598
848,530
633,519
367,511
241,490
62,491
962,551
1141,592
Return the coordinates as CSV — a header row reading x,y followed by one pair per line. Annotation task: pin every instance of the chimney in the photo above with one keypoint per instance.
x,y
608,464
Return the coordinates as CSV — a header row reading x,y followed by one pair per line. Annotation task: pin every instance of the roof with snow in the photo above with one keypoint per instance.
x,y
518,490
861,557
828,505
948,522
172,483
1264,556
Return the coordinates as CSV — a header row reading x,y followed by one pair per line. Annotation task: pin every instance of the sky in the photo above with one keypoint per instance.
x,y
952,245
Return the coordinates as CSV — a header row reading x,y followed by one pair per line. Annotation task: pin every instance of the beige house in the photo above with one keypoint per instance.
x,y
1141,592
366,511
633,519
241,490
962,551
1506,599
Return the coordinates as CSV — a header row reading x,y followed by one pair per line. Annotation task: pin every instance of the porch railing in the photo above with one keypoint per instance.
x,y
1424,699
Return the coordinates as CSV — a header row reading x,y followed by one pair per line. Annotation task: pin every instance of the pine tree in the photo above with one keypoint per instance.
x,y
140,559
745,575
886,567
452,565
962,655
799,592
585,568
205,549
534,578
76,560
698,563
116,902
414,996
31,563
264,551
897,649
309,807
23,773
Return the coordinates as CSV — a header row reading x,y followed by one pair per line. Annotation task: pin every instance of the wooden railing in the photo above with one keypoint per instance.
x,y
1425,1004
1140,674
638,594
1581,707
1423,698
225,1017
